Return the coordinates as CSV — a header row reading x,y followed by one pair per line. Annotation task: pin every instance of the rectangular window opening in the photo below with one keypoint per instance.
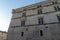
x,y
39,6
40,20
55,8
23,23
58,8
22,34
39,11
23,14
41,33
58,18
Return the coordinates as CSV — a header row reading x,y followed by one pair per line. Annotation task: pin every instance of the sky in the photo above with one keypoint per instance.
x,y
6,7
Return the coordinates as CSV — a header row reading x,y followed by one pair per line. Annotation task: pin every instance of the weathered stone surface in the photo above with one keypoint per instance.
x,y
49,30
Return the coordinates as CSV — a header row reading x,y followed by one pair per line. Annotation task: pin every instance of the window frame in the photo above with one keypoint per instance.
x,y
24,14
40,21
39,11
58,17
23,23
57,8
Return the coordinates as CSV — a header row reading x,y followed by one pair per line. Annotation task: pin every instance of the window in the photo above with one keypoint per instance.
x,y
40,20
39,6
58,18
57,8
22,34
26,29
41,33
46,27
39,11
54,2
23,14
23,23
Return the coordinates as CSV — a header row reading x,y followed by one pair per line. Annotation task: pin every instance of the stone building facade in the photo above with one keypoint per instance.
x,y
40,21
3,35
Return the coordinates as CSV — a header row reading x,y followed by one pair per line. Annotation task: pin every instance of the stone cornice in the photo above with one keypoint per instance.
x,y
30,7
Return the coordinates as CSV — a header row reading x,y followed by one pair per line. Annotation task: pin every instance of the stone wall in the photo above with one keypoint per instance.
x,y
50,32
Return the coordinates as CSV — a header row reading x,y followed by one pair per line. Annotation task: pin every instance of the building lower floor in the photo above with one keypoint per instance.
x,y
35,32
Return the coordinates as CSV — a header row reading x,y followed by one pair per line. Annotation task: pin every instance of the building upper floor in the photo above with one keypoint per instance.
x,y
53,17
39,13
36,9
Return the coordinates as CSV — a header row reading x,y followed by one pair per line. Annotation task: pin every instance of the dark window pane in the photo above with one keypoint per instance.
x,y
52,2
40,21
23,14
55,8
58,8
58,18
41,33
55,2
39,6
39,11
23,23
22,34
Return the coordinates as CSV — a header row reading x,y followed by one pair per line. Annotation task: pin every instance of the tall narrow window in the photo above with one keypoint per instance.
x,y
58,18
39,11
22,33
53,3
23,14
58,8
40,20
23,23
41,33
55,8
